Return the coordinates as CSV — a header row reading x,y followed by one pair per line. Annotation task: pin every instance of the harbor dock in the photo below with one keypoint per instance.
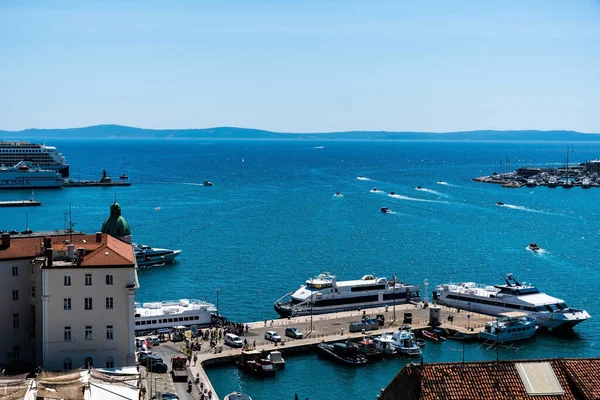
x,y
334,327
20,203
94,183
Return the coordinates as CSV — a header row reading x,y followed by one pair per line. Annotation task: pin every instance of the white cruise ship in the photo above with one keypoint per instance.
x,y
22,176
324,294
167,314
37,155
549,312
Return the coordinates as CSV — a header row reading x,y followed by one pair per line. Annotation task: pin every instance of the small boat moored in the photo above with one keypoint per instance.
x,y
276,359
342,352
435,335
508,327
251,361
237,396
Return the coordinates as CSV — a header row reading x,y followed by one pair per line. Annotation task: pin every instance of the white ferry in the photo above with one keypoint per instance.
x,y
509,327
324,294
167,314
23,176
549,312
37,154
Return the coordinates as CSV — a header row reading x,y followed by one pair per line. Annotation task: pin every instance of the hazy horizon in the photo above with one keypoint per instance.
x,y
311,66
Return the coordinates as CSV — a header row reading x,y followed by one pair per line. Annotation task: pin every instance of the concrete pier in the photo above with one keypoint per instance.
x,y
331,328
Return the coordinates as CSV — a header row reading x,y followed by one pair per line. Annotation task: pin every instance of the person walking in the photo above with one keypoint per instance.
x,y
195,359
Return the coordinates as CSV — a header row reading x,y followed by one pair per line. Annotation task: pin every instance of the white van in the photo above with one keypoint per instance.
x,y
233,340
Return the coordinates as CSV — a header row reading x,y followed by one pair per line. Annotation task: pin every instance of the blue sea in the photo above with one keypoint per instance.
x,y
271,221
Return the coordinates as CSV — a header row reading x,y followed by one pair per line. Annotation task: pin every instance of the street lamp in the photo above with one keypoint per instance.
x,y
468,321
311,311
426,284
218,315
155,379
394,297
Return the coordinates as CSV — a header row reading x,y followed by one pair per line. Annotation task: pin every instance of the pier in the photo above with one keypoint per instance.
x,y
20,203
94,183
332,327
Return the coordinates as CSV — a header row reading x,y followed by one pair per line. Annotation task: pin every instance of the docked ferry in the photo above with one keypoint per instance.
x,y
23,176
549,312
167,314
324,294
36,154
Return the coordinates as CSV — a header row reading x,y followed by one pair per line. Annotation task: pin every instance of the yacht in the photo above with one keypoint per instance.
x,y
168,314
37,154
325,294
25,176
549,312
509,327
404,341
147,256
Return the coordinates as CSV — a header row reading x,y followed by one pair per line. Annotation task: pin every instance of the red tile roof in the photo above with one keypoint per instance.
x,y
109,251
579,378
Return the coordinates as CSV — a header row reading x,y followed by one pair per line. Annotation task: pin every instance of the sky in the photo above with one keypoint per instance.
x,y
301,66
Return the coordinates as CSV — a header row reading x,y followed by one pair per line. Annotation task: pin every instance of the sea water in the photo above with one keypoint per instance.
x,y
271,221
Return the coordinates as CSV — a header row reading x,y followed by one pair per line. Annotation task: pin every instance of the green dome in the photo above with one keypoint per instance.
x,y
115,225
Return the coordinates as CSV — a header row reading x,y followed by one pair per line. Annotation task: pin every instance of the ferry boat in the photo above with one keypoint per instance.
x,y
147,256
23,176
37,154
168,314
549,312
509,327
324,294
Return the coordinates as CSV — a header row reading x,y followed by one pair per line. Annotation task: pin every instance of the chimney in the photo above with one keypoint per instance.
x,y
47,242
49,257
98,237
5,240
80,254
71,251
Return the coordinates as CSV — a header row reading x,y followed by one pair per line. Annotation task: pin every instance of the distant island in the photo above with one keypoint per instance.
x,y
127,132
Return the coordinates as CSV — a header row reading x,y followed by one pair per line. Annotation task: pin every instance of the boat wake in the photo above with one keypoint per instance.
x,y
191,183
319,147
433,192
539,252
446,184
401,197
374,190
362,178
523,208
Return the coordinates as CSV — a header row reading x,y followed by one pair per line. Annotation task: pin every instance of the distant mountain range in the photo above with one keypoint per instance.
x,y
127,132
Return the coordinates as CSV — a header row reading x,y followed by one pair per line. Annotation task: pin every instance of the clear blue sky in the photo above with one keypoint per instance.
x,y
301,66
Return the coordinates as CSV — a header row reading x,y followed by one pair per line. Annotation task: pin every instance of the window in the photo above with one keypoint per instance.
x,y
67,280
109,279
67,364
67,303
110,362
15,294
88,303
15,320
109,303
67,333
109,332
88,279
88,333
33,292
15,271
16,353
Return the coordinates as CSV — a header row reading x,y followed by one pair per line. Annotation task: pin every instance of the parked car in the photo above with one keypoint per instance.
x,y
154,340
233,340
158,366
146,357
295,333
272,336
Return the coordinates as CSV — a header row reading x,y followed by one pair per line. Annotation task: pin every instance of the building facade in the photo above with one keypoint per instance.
x,y
71,301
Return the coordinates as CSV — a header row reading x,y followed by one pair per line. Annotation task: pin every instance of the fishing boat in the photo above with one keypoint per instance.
x,y
404,341
508,327
325,294
342,352
369,348
550,312
276,359
434,335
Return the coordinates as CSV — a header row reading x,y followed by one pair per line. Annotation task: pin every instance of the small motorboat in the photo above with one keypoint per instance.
x,y
392,193
374,190
251,361
533,247
338,194
418,187
434,335
385,210
342,352
237,396
208,183
441,182
499,203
